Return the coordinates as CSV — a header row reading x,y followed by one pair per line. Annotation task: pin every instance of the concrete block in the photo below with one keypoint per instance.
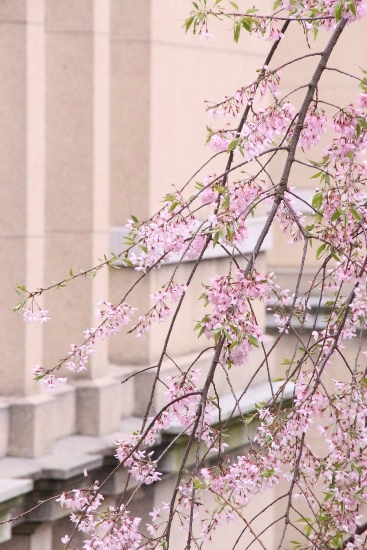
x,y
125,379
64,412
98,406
31,426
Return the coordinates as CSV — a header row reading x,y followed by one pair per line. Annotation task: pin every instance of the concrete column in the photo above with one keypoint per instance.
x,y
22,107
77,220
22,177
130,142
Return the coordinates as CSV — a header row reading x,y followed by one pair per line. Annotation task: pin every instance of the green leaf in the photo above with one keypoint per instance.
x,y
128,262
237,32
316,175
19,306
226,202
352,8
232,145
216,238
336,215
71,272
198,485
219,189
320,250
134,219
214,401
234,5
356,214
253,341
189,22
338,9
363,122
201,331
317,201
169,197
334,254
247,23
21,287
229,234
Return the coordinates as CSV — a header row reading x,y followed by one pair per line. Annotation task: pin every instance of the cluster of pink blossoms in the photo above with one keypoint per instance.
x,y
39,316
356,319
208,195
346,149
342,474
184,409
325,8
109,530
113,318
236,202
259,133
140,463
314,126
161,310
231,106
50,381
167,234
289,219
185,397
232,316
251,474
283,313
82,500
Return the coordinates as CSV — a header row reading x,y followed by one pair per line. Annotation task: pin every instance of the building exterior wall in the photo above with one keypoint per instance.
x,y
101,110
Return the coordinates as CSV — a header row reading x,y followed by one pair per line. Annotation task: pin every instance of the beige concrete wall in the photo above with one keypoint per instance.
x,y
186,71
55,105
166,93
101,110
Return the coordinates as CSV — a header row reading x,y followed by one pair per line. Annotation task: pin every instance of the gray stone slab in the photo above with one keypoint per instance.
x,y
17,467
12,488
63,466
